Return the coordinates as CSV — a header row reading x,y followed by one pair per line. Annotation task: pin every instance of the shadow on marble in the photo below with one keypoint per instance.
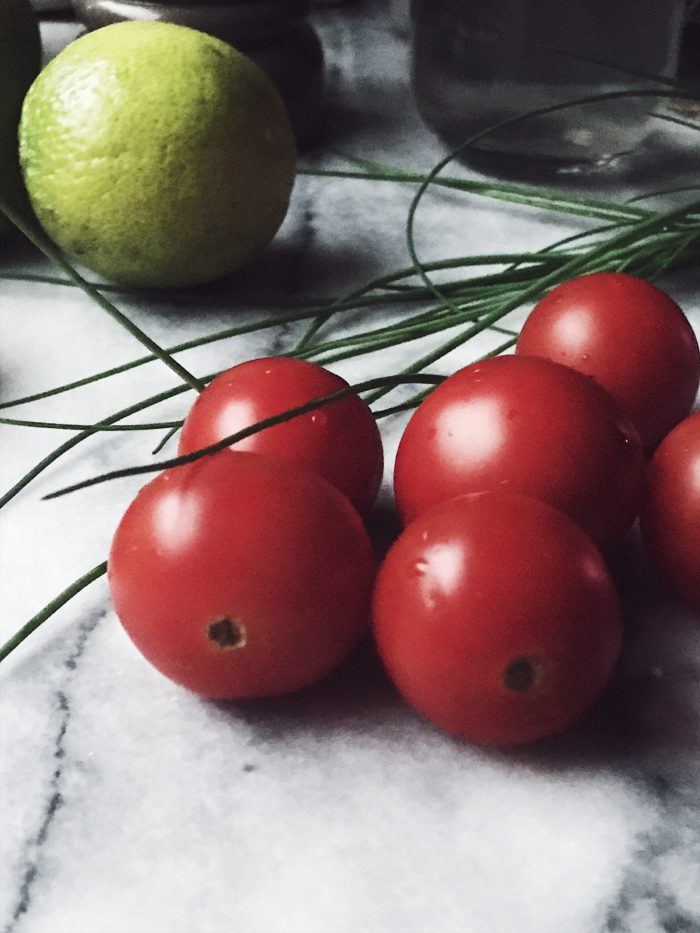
x,y
647,722
349,700
649,715
284,271
301,268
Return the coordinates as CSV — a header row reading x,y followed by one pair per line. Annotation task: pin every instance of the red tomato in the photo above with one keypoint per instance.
x,y
241,575
526,425
496,618
340,441
670,519
627,334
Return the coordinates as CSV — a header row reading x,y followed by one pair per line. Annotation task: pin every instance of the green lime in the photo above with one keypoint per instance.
x,y
157,155
20,57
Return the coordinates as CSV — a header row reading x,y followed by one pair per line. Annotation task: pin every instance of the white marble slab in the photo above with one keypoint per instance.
x,y
130,806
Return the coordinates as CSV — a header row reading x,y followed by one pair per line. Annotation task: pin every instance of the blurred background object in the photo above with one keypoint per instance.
x,y
475,65
276,34
401,14
689,65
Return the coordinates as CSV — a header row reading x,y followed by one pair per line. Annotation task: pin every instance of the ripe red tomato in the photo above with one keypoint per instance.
x,y
670,519
340,441
627,334
241,575
527,425
496,618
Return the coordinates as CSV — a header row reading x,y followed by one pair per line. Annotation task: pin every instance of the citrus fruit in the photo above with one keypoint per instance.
x,y
20,55
156,155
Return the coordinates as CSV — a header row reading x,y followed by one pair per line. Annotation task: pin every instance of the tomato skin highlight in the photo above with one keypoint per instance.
x,y
630,336
526,425
340,440
496,618
670,517
241,575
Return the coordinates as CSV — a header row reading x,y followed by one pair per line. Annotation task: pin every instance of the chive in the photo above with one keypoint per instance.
x,y
247,432
52,607
49,250
72,426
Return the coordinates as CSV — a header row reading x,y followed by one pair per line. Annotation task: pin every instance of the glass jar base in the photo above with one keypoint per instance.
x,y
530,167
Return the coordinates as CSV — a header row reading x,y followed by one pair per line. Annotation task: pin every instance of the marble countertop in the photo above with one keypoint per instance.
x,y
128,805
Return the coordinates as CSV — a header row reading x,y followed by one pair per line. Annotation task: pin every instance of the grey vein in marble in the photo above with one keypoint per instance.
x,y
32,847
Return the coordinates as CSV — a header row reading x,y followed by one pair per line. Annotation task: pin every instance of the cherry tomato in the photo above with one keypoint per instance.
x,y
496,618
670,519
340,441
241,575
627,334
527,425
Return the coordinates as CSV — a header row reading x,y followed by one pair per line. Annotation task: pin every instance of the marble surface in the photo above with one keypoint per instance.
x,y
129,806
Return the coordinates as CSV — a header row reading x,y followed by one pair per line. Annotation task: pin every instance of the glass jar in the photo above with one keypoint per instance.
x,y
475,64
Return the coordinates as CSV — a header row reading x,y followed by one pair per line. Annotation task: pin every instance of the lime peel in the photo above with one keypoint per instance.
x,y
156,155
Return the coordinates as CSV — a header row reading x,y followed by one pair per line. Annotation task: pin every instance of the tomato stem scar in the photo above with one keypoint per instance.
x,y
522,674
226,633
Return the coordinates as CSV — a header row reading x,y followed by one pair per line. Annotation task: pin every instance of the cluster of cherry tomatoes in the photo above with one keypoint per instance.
x,y
250,573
